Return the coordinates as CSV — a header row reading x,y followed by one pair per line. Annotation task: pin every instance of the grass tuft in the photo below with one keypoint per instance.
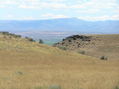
x,y
54,87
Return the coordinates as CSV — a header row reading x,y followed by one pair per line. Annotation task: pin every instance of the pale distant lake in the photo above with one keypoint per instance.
x,y
49,38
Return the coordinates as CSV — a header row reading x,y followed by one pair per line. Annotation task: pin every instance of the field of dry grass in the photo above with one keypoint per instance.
x,y
107,45
29,65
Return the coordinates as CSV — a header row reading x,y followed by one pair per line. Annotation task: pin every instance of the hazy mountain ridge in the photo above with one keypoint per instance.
x,y
66,24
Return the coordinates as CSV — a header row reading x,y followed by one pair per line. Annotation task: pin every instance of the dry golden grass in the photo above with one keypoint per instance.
x,y
29,65
108,45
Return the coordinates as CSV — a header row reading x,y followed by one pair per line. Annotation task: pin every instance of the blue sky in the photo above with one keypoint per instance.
x,y
50,9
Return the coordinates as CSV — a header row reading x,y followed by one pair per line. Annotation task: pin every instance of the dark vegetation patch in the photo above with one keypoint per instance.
x,y
30,39
103,58
81,37
74,42
63,48
117,87
11,34
41,41
82,52
19,73
54,87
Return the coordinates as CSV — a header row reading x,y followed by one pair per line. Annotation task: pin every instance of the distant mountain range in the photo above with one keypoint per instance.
x,y
61,25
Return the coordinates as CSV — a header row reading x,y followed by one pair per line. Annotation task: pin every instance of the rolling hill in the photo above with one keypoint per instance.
x,y
93,45
25,64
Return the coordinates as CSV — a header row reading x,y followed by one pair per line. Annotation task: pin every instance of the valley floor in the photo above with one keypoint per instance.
x,y
33,71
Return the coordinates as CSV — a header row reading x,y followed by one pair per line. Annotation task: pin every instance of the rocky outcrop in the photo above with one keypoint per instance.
x,y
75,41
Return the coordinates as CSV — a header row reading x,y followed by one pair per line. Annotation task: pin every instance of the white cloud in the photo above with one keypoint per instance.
x,y
115,17
28,6
86,9
43,5
2,6
89,11
53,16
61,4
98,4
106,17
28,18
9,16
7,2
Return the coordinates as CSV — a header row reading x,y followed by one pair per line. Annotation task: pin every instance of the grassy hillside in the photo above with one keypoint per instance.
x,y
30,65
93,45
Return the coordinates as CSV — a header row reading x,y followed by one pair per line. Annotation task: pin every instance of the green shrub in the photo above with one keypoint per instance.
x,y
63,48
41,41
30,39
81,52
11,34
17,36
117,87
5,33
103,58
19,73
54,87
38,88
69,40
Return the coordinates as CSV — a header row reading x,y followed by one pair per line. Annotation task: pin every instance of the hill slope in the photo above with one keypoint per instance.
x,y
29,65
93,45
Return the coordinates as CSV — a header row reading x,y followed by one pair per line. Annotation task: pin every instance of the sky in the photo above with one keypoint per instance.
x,y
51,9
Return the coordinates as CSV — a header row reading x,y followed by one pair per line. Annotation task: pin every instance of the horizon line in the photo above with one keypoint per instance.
x,y
56,19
